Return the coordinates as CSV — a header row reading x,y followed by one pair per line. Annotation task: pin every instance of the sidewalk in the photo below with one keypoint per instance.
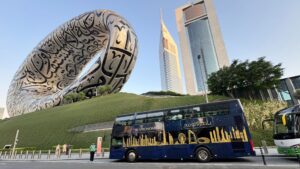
x,y
272,151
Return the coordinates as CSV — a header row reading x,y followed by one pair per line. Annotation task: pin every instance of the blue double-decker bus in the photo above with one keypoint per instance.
x,y
202,132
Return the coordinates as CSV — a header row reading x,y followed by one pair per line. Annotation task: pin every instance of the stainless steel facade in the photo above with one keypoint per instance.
x,y
53,68
202,46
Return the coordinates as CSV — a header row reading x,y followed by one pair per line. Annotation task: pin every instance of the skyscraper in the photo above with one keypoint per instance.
x,y
201,43
169,62
1,113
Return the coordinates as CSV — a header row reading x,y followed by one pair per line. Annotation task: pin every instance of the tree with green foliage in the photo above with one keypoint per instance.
x,y
104,90
81,96
297,94
74,97
245,78
68,99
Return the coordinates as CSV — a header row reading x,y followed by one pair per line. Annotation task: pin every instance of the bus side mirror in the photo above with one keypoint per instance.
x,y
265,121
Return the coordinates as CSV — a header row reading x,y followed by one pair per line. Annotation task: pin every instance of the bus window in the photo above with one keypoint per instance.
x,y
155,117
175,111
197,113
155,114
211,113
174,115
223,112
288,127
140,118
124,121
188,113
214,110
196,109
297,123
116,142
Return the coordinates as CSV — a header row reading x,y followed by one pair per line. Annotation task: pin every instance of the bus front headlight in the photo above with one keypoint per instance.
x,y
296,146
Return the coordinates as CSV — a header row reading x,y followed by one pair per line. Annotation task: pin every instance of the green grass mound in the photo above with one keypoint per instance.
x,y
46,128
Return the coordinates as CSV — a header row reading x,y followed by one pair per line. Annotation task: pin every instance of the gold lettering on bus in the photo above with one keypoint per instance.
x,y
217,135
195,124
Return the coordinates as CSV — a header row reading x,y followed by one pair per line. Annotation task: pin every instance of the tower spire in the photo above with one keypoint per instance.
x,y
161,15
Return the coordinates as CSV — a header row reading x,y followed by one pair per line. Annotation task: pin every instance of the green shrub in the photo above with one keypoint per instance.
x,y
258,135
256,111
74,97
104,90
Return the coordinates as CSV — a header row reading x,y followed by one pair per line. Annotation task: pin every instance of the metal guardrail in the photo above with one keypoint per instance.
x,y
46,154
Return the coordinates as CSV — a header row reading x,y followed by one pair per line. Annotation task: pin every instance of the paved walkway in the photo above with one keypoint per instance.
x,y
271,151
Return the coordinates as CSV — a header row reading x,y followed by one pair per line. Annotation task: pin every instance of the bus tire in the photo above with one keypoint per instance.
x,y
203,155
131,156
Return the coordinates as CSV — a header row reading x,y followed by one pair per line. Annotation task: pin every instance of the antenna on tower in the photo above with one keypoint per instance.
x,y
161,15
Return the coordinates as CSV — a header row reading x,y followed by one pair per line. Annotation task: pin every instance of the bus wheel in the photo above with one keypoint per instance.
x,y
131,156
203,155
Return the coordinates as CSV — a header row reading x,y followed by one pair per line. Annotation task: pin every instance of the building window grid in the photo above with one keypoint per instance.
x,y
296,82
170,71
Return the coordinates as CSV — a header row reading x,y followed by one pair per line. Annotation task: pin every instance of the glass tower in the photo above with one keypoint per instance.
x,y
202,46
169,62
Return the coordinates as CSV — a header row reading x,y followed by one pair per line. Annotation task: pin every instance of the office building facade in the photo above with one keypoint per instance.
x,y
202,47
286,90
169,62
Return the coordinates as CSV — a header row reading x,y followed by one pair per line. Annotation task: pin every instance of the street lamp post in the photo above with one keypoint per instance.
x,y
202,75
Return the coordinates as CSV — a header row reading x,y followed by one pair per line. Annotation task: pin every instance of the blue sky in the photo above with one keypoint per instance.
x,y
251,28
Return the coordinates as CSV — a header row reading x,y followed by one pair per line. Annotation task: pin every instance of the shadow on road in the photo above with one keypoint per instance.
x,y
233,160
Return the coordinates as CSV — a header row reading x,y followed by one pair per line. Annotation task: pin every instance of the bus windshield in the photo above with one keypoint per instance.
x,y
287,126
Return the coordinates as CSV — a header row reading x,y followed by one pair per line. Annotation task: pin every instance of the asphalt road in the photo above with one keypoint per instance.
x,y
244,163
